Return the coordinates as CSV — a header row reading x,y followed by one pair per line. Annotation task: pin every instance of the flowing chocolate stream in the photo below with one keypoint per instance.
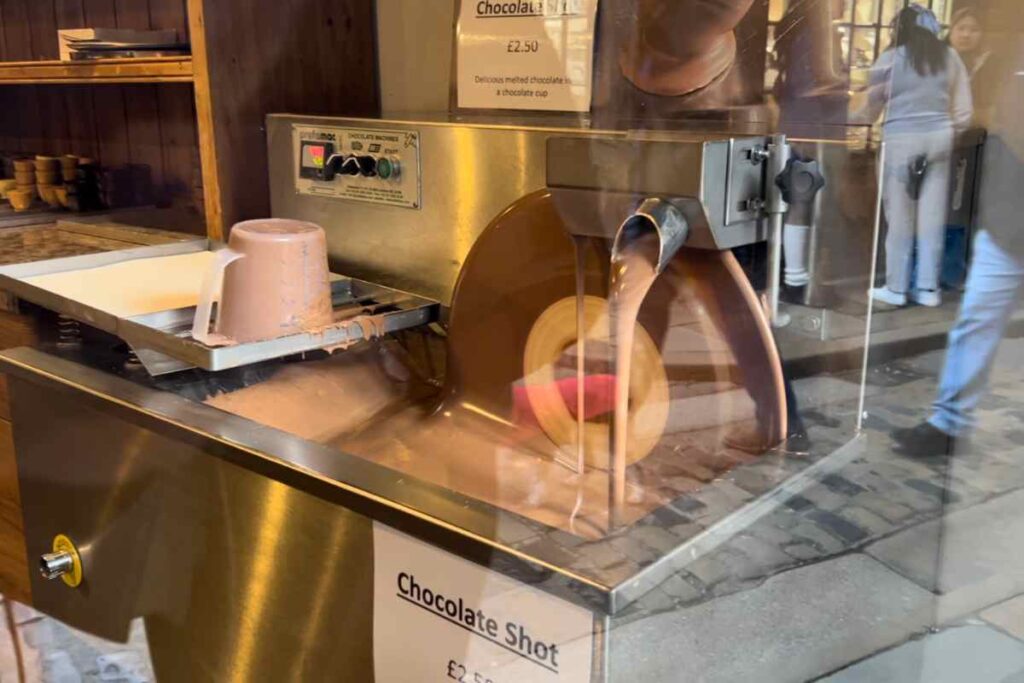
x,y
634,269
580,245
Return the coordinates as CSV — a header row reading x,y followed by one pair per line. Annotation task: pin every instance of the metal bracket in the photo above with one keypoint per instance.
x,y
777,207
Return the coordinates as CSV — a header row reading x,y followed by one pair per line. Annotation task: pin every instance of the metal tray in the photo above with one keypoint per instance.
x,y
163,340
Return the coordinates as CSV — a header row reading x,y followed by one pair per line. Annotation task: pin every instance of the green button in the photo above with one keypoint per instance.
x,y
384,168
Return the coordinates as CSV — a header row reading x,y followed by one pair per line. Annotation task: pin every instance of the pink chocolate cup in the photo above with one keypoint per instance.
x,y
280,286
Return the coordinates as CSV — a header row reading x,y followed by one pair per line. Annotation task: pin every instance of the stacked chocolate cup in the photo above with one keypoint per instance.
x,y
69,170
24,193
48,170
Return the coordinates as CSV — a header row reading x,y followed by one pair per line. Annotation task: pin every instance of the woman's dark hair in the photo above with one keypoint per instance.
x,y
928,54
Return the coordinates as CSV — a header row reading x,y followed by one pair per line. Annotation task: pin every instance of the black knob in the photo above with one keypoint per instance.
x,y
367,166
801,180
330,168
333,165
349,166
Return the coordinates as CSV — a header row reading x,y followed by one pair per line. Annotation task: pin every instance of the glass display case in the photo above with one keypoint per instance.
x,y
669,412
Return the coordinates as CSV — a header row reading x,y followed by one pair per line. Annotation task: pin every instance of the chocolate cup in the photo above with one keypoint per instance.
x,y
659,73
21,200
47,163
682,45
280,286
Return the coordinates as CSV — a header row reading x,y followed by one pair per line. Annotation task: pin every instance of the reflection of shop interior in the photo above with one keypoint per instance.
x,y
821,338
863,26
830,314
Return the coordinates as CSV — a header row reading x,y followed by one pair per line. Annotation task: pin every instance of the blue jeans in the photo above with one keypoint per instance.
x,y
954,260
994,284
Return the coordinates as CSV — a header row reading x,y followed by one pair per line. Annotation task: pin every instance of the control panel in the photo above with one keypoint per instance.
x,y
369,165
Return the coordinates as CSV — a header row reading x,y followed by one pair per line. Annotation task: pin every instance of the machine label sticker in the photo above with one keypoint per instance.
x,y
438,617
526,54
375,166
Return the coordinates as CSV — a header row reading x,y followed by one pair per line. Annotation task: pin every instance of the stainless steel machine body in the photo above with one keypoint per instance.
x,y
238,575
248,550
467,173
464,175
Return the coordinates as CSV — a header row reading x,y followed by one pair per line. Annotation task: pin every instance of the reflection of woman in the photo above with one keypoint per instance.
x,y
926,91
966,37
996,279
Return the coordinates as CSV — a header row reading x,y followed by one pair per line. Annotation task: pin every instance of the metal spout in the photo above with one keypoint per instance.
x,y
653,234
657,215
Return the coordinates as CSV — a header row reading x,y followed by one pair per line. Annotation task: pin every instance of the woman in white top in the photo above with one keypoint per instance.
x,y
926,92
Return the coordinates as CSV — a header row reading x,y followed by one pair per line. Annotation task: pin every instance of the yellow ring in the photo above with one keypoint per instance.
x,y
554,332
63,544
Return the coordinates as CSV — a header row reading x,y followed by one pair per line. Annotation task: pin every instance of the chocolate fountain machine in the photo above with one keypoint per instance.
x,y
352,516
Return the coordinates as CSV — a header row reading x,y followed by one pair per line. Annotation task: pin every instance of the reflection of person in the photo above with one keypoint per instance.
x,y
967,38
925,87
812,93
680,46
808,53
996,278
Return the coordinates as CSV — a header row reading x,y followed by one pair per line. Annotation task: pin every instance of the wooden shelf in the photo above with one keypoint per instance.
x,y
154,70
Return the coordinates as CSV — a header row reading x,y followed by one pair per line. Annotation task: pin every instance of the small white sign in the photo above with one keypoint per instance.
x,y
526,54
438,617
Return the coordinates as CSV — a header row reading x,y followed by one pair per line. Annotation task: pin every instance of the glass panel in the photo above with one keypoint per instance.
x,y
847,7
884,39
844,43
866,12
659,391
889,10
863,47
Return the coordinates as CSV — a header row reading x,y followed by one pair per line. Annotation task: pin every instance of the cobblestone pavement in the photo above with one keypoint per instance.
x,y
37,649
873,497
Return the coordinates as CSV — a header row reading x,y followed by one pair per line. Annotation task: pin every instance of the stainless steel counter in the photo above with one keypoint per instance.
x,y
249,550
98,394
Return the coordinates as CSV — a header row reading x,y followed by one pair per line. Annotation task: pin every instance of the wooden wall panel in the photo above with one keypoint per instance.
x,y
15,330
309,56
16,29
170,14
147,124
69,13
28,28
14,566
111,126
178,139
99,13
81,121
43,30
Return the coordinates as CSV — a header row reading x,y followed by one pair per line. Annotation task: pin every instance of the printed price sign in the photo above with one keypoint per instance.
x,y
526,54
437,617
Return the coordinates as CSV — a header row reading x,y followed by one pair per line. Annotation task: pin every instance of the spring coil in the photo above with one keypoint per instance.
x,y
69,331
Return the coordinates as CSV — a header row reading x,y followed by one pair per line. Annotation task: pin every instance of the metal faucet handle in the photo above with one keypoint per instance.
x,y
63,562
55,565
800,180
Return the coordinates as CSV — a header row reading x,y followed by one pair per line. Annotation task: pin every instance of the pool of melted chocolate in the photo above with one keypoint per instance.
x,y
471,426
